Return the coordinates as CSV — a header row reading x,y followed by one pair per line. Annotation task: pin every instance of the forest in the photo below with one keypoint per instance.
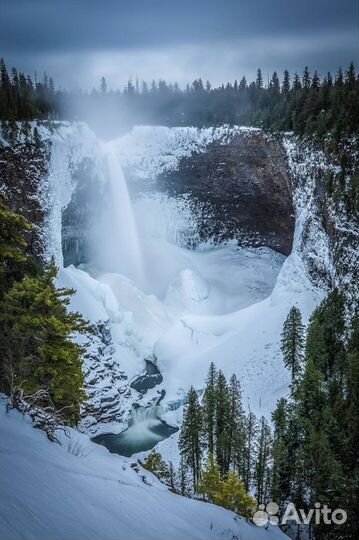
x,y
308,104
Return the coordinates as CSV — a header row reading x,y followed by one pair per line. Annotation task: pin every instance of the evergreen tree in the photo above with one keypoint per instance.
x,y
191,436
13,229
251,430
281,470
325,345
103,86
259,79
211,479
292,342
286,83
209,408
263,462
36,346
306,80
233,496
156,465
236,427
183,480
222,424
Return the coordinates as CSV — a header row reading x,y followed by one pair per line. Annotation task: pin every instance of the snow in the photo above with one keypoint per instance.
x,y
150,150
225,304
78,490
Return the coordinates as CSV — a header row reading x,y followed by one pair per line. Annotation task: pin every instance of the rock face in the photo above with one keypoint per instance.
x,y
151,378
106,383
245,188
328,228
79,216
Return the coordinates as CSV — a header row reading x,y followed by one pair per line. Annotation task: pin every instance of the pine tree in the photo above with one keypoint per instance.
x,y
286,83
191,436
325,345
183,480
306,80
13,230
222,423
281,470
209,407
37,346
236,427
259,79
156,465
351,430
210,480
292,343
274,84
233,496
263,462
251,430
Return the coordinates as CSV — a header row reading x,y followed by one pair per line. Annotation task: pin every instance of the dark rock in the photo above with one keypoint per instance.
x,y
245,187
151,378
79,216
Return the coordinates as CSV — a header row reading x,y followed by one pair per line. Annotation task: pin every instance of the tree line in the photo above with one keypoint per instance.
x,y
315,449
307,104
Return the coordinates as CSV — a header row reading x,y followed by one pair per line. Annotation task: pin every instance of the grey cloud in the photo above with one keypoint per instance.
x,y
122,38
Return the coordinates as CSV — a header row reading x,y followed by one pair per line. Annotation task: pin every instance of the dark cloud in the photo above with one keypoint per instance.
x,y
53,34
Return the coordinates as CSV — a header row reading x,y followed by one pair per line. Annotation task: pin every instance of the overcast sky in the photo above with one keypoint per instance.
x,y
78,41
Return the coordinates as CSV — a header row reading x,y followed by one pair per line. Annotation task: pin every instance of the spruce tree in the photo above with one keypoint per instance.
x,y
263,462
210,480
251,430
325,341
234,496
156,465
236,427
259,79
191,436
292,342
13,230
281,469
37,347
209,403
222,424
286,83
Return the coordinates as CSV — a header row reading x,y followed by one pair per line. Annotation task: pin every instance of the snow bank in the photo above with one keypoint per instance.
x,y
80,491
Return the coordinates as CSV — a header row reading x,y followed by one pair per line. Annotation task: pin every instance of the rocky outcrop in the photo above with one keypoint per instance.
x,y
243,188
328,229
149,380
106,384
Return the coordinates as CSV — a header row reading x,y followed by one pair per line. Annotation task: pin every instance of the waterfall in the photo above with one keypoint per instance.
x,y
118,245
145,415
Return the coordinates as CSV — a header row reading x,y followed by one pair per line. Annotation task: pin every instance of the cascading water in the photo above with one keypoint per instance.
x,y
117,247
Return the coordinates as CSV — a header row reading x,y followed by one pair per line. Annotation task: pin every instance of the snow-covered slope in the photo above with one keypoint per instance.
x,y
78,491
